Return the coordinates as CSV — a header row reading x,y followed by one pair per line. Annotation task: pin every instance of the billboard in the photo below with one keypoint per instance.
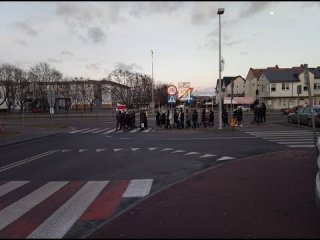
x,y
184,91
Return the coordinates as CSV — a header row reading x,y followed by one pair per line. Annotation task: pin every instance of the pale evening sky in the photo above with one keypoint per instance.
x,y
90,39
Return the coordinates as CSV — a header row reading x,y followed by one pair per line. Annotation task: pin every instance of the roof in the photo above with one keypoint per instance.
x,y
315,71
281,76
227,80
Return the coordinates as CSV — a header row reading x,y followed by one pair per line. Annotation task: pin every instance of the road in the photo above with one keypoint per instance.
x,y
67,179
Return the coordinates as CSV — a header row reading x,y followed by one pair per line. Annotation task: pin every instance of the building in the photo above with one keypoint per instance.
x,y
278,87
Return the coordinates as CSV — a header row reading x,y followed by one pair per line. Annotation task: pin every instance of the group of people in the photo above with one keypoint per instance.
x,y
259,112
177,118
127,120
180,119
237,117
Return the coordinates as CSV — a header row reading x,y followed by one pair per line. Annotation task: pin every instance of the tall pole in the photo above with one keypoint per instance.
x,y
152,84
220,88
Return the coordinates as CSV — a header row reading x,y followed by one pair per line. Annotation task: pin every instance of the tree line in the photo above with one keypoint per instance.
x,y
17,87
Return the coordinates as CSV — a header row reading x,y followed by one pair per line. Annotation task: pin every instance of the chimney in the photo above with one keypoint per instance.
x,y
277,66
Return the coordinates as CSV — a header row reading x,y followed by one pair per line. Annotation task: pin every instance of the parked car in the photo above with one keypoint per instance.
x,y
288,110
304,115
244,108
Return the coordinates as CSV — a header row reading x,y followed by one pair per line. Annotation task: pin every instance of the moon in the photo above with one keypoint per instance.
x,y
271,13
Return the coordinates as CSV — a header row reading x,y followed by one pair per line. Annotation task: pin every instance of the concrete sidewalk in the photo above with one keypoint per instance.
x,y
266,196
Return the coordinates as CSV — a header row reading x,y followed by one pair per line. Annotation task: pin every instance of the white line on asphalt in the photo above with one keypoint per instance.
x,y
213,138
102,130
298,146
83,150
135,130
207,155
60,222
179,151
100,149
224,158
110,131
167,149
135,149
79,130
20,207
10,186
90,130
152,148
138,188
147,130
192,153
117,149
65,150
12,165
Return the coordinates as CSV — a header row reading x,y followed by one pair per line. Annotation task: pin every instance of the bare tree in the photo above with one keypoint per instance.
x,y
75,93
161,93
43,74
89,91
8,82
131,88
22,89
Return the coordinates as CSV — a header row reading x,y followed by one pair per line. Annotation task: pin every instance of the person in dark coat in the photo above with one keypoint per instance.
x,y
239,116
211,118
158,118
195,123
264,112
203,118
225,117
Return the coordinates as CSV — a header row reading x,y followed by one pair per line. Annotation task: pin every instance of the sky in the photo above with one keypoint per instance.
x,y
91,39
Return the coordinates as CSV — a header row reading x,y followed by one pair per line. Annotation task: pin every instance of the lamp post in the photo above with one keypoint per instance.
x,y
152,84
220,11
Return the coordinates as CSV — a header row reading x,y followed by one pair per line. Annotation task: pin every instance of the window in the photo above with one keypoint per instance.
x,y
273,87
285,86
305,87
316,85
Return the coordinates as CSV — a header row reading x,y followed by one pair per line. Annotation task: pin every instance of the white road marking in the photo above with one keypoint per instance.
x,y
192,153
79,130
147,130
135,130
90,130
10,186
293,142
102,130
207,155
65,150
135,149
60,222
179,151
300,146
20,207
224,158
125,138
83,150
167,149
100,149
152,148
117,149
110,131
15,164
138,188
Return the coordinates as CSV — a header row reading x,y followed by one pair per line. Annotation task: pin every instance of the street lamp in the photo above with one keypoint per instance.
x,y
220,11
152,84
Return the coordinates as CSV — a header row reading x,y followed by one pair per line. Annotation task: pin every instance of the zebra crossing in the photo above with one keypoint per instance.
x,y
31,209
105,131
292,139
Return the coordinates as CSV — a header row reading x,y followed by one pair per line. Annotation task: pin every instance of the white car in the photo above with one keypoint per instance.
x,y
244,108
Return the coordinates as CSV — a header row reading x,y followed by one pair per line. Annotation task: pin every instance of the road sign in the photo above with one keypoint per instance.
x,y
172,90
51,98
171,99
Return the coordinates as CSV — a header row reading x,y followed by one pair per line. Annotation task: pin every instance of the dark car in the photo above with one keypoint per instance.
x,y
304,114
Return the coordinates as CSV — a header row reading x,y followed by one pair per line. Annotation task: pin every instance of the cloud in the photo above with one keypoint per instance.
x,y
139,9
67,53
253,8
203,12
21,42
26,28
130,67
93,67
96,34
244,53
53,60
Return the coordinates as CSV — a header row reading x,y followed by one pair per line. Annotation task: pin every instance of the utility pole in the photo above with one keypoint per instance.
x,y
307,80
152,84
